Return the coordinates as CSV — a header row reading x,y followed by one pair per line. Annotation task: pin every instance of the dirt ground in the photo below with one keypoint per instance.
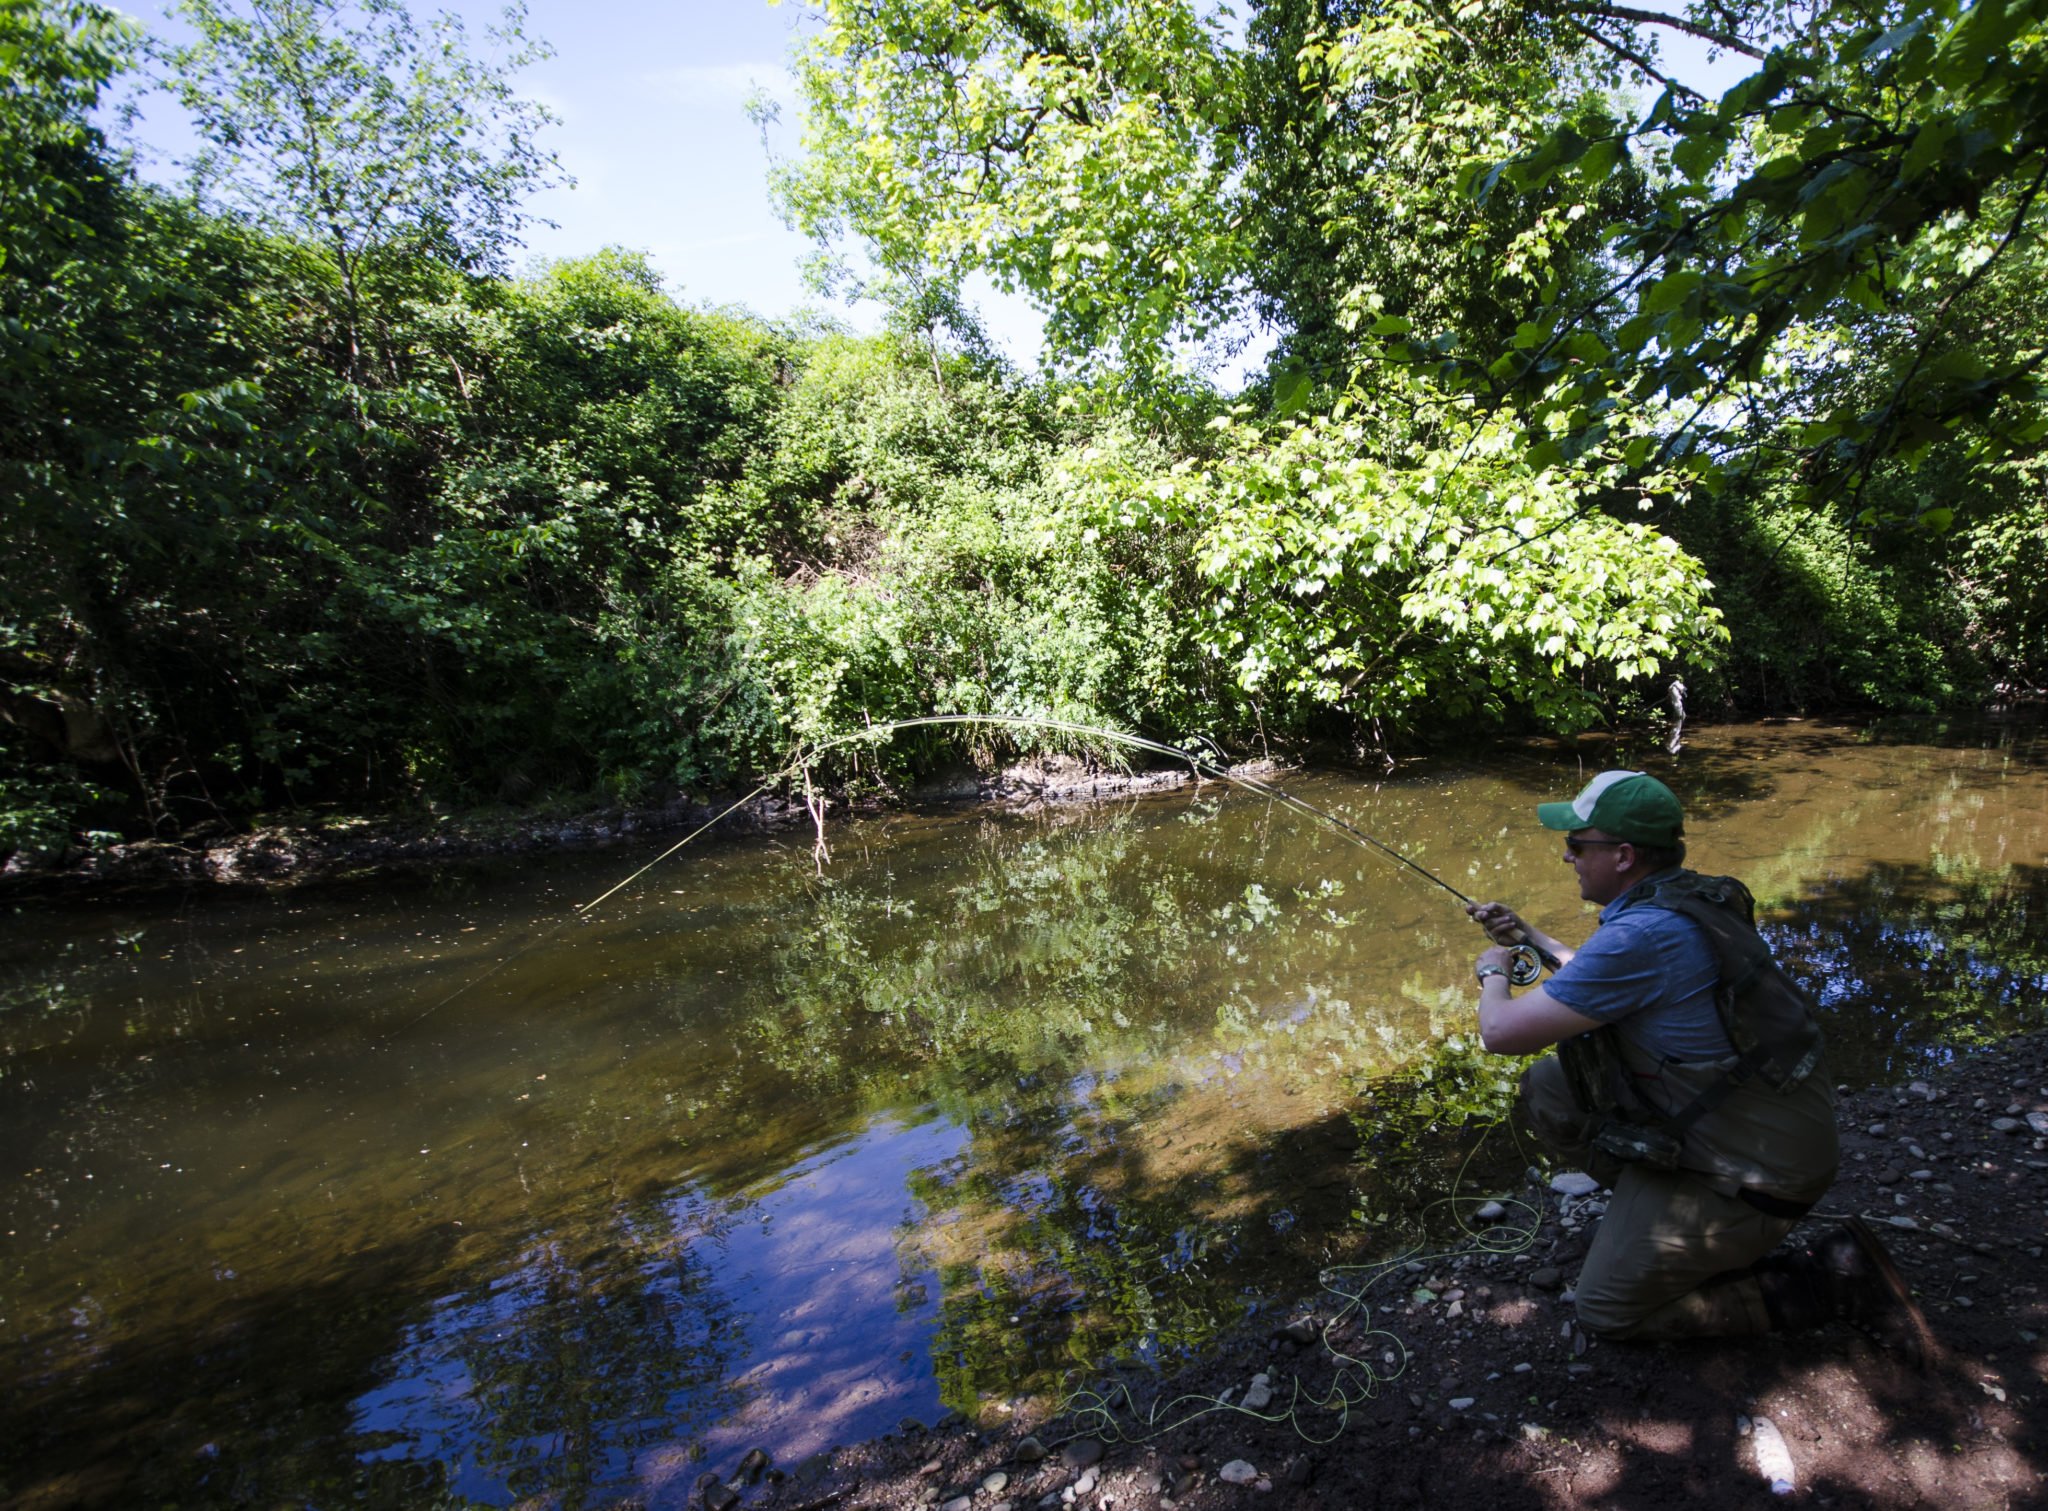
x,y
1470,1387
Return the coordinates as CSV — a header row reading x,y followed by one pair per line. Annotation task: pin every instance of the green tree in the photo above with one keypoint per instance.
x,y
1153,180
346,122
1071,149
57,191
1857,191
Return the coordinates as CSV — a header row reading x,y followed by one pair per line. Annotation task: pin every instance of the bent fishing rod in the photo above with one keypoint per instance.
x,y
1527,963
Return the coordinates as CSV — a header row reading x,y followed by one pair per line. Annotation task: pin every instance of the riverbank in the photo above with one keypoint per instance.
x,y
1471,1387
294,852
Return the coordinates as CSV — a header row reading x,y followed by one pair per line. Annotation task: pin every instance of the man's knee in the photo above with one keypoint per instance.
x,y
1548,1106
1609,1311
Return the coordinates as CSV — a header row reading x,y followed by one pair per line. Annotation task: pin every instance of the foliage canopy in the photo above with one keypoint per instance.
x,y
309,502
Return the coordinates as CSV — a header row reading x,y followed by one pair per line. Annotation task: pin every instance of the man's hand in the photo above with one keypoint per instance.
x,y
1499,956
1504,925
1499,920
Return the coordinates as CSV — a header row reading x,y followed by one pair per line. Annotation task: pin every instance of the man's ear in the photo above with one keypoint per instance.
x,y
1624,856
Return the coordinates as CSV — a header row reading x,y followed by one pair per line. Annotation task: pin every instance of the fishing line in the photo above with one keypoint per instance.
x,y
585,908
1528,962
1114,1413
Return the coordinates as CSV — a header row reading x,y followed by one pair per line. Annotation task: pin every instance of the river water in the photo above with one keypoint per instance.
x,y
421,1192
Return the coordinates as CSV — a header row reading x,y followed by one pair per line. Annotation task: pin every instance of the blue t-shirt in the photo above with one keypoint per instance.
x,y
1651,972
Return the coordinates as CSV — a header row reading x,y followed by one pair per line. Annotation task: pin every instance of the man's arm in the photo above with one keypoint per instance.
x,y
1511,1025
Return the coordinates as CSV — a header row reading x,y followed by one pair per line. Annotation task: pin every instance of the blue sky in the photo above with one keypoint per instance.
x,y
652,99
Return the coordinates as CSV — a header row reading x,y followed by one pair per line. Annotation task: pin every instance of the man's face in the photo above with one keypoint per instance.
x,y
1606,866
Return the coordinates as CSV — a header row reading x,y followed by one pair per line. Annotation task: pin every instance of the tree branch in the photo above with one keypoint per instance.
x,y
1638,62
1657,18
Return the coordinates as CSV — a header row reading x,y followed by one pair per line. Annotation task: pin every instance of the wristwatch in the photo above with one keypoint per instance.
x,y
1488,969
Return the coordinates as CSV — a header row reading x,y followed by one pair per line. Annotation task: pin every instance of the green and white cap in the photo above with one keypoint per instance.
x,y
1626,804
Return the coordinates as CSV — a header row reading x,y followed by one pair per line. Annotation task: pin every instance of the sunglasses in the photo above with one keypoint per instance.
x,y
1579,846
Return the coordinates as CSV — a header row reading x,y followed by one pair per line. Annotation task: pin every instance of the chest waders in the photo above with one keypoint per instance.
x,y
1768,1018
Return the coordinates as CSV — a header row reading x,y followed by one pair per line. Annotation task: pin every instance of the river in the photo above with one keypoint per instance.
x,y
431,1191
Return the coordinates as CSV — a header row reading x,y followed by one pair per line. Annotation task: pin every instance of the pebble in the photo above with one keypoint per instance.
x,y
1462,1403
1237,1472
1921,1090
1574,1183
1920,1175
1877,1130
2038,1121
1549,1278
1030,1451
1085,1483
1890,1175
996,1483
959,1503
2006,1125
1523,1369
720,1497
1493,1211
1259,1394
1082,1453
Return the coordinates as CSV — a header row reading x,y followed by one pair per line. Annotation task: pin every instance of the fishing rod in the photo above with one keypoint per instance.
x,y
1527,962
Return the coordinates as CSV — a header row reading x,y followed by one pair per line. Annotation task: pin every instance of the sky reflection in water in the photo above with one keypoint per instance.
x,y
787,1317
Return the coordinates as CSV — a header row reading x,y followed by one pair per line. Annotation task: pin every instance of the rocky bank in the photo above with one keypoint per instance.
x,y
1459,1379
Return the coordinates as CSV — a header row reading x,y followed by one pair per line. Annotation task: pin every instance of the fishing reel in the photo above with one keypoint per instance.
x,y
1525,965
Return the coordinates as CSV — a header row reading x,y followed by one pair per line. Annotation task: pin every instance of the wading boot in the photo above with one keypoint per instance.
x,y
1846,1276
1869,1293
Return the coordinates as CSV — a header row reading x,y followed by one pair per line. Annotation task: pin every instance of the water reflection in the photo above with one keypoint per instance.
x,y
756,1157
784,1314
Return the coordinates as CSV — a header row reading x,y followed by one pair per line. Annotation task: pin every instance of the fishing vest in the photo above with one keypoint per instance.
x,y
1769,1020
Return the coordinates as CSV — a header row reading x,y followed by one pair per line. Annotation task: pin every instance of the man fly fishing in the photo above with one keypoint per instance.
x,y
1687,1075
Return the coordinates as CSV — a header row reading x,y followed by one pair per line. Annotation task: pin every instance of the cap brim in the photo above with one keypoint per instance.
x,y
1559,816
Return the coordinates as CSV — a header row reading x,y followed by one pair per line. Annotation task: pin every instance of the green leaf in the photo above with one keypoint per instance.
x,y
1670,291
1697,156
1894,39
